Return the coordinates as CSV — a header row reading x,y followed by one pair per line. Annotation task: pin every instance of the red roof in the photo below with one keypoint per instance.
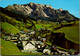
x,y
26,31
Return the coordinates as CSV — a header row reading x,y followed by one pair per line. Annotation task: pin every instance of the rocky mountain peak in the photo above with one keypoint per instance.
x,y
41,11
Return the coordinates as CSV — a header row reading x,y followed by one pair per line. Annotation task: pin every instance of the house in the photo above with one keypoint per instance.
x,y
12,34
29,46
24,38
19,42
14,40
46,51
26,32
24,42
40,46
7,38
33,32
29,34
22,32
20,39
38,42
22,35
39,37
44,39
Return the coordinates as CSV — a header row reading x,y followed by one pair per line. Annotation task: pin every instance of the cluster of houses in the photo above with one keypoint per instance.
x,y
29,44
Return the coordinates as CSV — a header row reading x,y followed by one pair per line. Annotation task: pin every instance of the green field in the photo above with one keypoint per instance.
x,y
9,28
7,48
38,26
71,32
47,25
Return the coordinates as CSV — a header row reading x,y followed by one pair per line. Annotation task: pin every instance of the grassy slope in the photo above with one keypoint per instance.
x,y
9,18
17,23
38,26
71,32
7,48
47,24
9,28
12,21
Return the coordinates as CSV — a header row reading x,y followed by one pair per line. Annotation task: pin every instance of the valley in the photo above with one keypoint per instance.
x,y
27,31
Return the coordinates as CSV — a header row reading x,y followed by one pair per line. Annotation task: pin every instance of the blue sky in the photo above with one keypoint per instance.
x,y
71,5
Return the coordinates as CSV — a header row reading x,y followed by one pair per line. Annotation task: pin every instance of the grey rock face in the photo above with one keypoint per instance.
x,y
40,11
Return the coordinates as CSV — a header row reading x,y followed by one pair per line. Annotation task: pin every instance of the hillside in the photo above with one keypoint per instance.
x,y
7,48
42,12
71,32
8,28
19,22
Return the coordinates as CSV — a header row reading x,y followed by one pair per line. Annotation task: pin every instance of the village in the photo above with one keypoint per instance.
x,y
25,41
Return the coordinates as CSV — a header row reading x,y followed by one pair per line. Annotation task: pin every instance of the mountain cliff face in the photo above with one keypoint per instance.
x,y
41,11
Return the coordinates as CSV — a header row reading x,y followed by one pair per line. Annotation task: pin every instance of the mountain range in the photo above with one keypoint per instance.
x,y
42,12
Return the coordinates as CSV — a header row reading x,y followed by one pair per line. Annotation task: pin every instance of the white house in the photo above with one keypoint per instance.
x,y
26,44
14,38
46,50
30,47
38,42
44,39
33,32
24,38
23,35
